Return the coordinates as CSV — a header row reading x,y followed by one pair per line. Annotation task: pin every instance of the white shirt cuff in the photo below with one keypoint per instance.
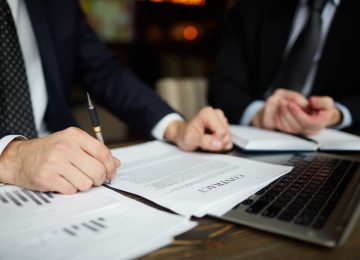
x,y
251,111
159,129
346,116
7,139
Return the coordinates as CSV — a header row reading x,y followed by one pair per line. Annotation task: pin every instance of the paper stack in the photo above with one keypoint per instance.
x,y
98,224
191,184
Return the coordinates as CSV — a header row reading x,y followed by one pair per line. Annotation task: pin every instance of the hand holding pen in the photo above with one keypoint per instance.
x,y
95,124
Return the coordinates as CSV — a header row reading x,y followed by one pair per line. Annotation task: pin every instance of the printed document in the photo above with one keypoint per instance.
x,y
98,224
190,183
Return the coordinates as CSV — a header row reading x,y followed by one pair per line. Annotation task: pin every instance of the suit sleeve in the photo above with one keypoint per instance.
x,y
229,87
113,86
352,104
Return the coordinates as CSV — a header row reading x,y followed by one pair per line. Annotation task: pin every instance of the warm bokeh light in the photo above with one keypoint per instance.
x,y
185,32
182,2
190,33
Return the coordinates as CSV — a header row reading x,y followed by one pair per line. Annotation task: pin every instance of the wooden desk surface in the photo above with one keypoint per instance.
x,y
218,239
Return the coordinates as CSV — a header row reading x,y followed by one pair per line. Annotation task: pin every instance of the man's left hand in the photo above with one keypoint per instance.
x,y
320,113
208,130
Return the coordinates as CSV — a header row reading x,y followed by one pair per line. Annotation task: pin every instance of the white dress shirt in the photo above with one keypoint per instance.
x,y
36,80
299,22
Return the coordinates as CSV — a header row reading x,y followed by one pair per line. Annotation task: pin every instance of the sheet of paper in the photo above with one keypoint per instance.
x,y
188,183
27,209
331,139
252,138
78,226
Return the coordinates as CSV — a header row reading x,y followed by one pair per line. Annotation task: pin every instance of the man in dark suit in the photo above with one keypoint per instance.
x,y
47,48
259,42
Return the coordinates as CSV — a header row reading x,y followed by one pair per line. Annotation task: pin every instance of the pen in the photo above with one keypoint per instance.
x,y
95,124
95,120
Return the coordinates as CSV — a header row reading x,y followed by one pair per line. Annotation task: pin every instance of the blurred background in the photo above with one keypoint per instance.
x,y
169,44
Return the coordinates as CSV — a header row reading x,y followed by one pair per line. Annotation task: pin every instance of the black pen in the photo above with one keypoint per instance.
x,y
95,124
95,120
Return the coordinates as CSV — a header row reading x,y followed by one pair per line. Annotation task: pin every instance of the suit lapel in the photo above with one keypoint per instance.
x,y
275,31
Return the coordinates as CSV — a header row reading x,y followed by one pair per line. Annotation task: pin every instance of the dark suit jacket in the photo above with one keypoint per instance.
x,y
255,37
72,55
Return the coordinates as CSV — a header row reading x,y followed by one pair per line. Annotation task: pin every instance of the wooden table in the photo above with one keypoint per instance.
x,y
218,239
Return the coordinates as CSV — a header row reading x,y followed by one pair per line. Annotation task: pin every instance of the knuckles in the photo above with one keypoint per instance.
x,y
206,111
72,131
99,174
85,185
103,154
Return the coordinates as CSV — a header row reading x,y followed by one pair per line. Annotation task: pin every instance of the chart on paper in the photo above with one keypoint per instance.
x,y
116,229
19,203
92,226
20,198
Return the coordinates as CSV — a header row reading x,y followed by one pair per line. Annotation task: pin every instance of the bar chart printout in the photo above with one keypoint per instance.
x,y
89,225
21,197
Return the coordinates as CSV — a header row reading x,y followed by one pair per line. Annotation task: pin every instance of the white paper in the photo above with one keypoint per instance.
x,y
77,227
252,138
331,139
188,183
256,139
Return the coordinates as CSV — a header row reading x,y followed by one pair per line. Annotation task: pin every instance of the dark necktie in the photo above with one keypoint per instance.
x,y
16,114
296,66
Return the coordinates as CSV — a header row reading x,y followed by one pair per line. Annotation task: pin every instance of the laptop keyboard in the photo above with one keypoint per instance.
x,y
308,194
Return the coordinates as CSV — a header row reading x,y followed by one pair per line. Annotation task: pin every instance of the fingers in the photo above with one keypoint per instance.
x,y
75,177
55,183
216,132
272,106
310,124
208,130
95,149
86,167
321,102
65,162
210,143
290,112
270,109
225,124
292,96
286,121
64,187
214,121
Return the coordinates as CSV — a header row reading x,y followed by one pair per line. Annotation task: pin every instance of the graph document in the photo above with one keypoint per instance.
x,y
96,224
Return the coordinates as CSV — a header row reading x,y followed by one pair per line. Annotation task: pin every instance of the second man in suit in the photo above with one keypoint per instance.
x,y
269,45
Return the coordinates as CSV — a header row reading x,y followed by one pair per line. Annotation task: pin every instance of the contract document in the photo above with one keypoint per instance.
x,y
98,224
189,183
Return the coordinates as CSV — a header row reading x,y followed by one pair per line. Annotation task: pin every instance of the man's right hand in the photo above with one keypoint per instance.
x,y
265,117
67,161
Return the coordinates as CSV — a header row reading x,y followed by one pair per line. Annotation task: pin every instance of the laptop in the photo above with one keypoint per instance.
x,y
317,202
